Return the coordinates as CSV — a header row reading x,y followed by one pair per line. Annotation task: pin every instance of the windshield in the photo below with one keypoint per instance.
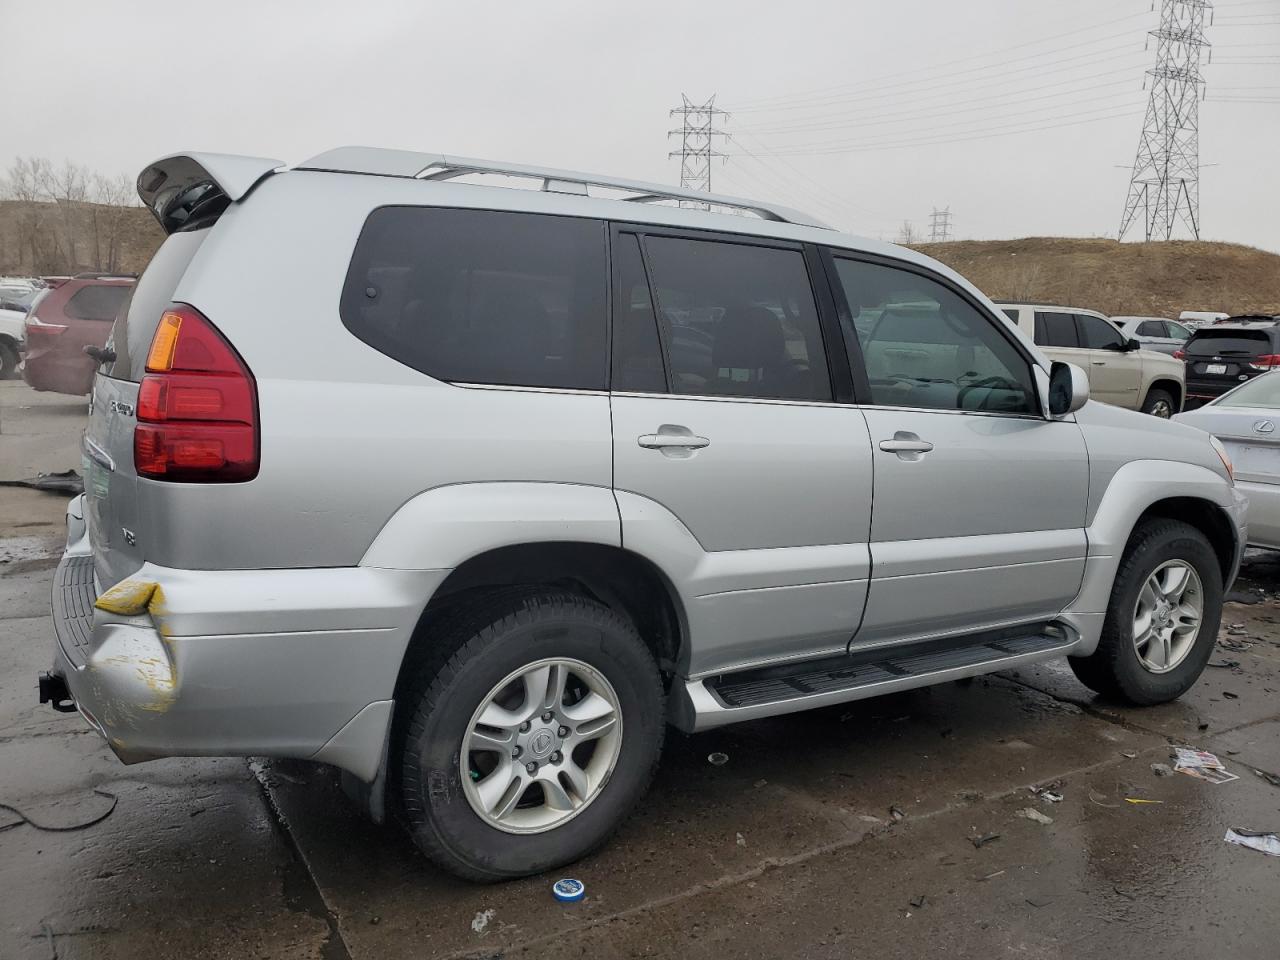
x,y
1263,391
1208,343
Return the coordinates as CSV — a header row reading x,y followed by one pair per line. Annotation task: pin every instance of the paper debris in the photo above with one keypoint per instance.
x,y
1267,843
1202,765
482,919
1031,813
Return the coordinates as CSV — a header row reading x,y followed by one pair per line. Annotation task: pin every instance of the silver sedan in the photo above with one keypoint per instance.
x,y
1247,421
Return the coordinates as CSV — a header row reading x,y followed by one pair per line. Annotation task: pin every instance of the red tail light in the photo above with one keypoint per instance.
x,y
1267,360
1179,354
197,405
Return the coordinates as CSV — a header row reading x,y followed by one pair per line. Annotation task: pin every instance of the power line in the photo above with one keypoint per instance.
x,y
697,134
940,225
1165,184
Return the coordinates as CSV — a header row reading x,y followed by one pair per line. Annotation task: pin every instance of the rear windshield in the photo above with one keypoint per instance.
x,y
136,325
1240,343
1263,391
97,302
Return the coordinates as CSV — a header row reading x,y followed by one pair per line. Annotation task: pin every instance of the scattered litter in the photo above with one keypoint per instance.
x,y
982,841
717,759
569,890
1203,726
1050,792
867,818
760,783
990,876
1271,778
481,920
375,920
1122,893
1138,800
1051,796
1094,798
741,841
1230,696
48,828
1162,770
1038,903
1031,813
1129,754
918,901
1267,843
66,481
1224,664
1202,765
896,813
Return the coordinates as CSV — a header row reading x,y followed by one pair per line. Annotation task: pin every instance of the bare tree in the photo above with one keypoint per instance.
x,y
68,188
907,235
24,186
112,197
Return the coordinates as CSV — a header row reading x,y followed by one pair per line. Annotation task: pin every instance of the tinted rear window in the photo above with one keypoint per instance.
x,y
98,302
1208,343
147,299
481,296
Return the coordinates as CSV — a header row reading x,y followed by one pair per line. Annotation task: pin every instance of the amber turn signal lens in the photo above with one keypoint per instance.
x,y
165,341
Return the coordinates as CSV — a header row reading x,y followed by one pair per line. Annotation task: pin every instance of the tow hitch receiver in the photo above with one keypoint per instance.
x,y
53,690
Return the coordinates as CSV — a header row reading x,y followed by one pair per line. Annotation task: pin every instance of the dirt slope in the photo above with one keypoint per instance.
x,y
1159,279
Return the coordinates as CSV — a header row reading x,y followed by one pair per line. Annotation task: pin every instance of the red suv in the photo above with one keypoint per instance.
x,y
62,322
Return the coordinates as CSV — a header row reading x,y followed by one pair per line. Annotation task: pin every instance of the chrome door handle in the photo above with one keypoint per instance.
x,y
906,446
657,441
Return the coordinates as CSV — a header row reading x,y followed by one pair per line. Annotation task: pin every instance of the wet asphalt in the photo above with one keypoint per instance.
x,y
842,832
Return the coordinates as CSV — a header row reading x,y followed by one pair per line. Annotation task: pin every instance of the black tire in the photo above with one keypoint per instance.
x,y
1114,669
1159,403
479,643
9,359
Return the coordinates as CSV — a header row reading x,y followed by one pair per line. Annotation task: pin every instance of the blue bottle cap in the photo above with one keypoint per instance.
x,y
568,890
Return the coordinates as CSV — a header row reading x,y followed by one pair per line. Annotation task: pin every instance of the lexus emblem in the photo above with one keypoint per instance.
x,y
1264,426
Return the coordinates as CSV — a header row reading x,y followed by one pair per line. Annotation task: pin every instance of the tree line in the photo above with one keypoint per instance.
x,y
63,219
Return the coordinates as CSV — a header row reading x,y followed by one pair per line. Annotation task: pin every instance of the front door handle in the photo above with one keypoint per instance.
x,y
1099,363
657,441
907,445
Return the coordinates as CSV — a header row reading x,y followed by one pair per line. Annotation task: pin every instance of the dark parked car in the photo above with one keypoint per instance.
x,y
1223,355
65,320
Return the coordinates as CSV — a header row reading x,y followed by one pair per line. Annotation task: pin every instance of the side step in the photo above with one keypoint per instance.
x,y
788,688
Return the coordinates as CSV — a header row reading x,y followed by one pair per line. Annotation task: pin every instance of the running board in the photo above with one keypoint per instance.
x,y
764,692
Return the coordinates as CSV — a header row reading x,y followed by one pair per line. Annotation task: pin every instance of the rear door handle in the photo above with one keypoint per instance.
x,y
657,441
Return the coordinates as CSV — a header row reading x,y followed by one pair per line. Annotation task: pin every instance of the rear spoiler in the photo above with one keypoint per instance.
x,y
186,190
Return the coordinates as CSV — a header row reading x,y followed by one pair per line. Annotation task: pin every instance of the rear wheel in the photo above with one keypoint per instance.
x,y
1162,622
1159,403
528,746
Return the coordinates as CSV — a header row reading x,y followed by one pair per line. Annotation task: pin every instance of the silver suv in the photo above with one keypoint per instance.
x,y
469,491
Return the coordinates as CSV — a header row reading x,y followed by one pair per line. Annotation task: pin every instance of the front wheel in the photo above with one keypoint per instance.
x,y
536,737
1162,622
1159,403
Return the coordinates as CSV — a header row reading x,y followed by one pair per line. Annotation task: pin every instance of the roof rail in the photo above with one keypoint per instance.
x,y
434,166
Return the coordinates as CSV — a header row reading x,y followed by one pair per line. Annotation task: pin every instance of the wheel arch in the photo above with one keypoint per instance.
x,y
1206,516
1172,387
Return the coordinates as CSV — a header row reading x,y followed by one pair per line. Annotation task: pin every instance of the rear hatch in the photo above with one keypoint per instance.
x,y
116,529
1224,356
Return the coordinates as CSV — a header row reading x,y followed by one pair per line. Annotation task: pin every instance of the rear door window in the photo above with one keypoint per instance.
x,y
1151,328
482,296
739,320
1097,334
1055,329
100,301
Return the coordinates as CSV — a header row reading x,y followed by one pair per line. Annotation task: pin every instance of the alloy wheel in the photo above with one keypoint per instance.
x,y
1167,616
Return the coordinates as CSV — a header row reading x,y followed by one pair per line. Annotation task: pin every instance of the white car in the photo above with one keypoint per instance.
x,y
1120,372
1155,333
1247,422
10,341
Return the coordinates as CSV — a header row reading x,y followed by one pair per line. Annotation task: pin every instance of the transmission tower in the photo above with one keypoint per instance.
x,y
940,225
697,135
1165,185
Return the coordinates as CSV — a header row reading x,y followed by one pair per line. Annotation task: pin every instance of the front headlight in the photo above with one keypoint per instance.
x,y
1221,451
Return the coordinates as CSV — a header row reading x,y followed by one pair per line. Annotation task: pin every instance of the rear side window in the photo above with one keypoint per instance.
x,y
1227,343
739,320
1151,328
637,354
96,302
1055,329
146,301
1097,334
480,296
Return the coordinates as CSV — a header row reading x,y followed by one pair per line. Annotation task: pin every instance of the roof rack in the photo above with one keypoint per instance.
x,y
94,275
434,166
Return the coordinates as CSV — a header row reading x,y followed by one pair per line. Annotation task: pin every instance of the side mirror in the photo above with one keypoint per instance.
x,y
1133,343
1068,389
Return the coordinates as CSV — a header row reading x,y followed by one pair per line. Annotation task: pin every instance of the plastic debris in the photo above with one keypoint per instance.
x,y
570,890
1263,842
1230,696
481,920
982,841
717,759
1139,800
65,481
1162,770
896,813
1129,754
1031,813
1271,778
60,828
741,841
918,901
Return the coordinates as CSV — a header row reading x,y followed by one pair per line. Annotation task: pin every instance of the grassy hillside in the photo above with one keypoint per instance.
x,y
39,239
1160,279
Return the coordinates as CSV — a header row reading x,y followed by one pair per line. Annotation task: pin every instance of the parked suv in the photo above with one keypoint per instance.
x,y
1154,333
62,322
1120,371
1221,356
469,491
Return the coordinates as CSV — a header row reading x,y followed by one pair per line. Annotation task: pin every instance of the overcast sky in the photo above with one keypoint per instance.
x,y
1020,115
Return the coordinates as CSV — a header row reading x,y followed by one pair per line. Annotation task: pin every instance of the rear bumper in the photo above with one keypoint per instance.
x,y
292,663
1211,389
1264,513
